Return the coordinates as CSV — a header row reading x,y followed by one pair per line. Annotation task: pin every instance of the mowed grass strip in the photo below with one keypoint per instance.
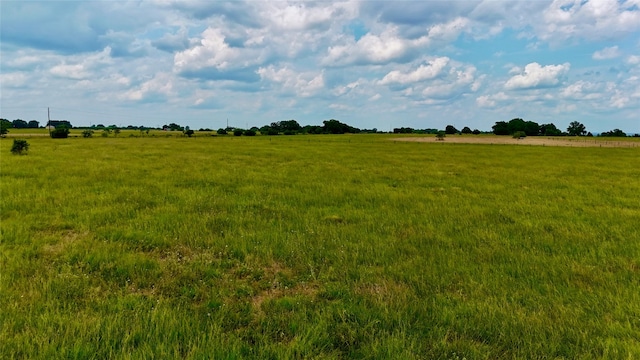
x,y
317,247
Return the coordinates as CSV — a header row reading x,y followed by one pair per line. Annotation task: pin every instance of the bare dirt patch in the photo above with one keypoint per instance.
x,y
528,141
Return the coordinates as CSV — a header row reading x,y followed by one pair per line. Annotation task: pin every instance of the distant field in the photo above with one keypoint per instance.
x,y
351,246
570,141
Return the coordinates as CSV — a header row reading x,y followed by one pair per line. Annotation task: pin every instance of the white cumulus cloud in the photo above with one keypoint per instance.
x,y
304,84
606,53
432,69
535,76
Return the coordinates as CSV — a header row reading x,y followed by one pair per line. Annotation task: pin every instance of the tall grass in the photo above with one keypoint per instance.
x,y
317,246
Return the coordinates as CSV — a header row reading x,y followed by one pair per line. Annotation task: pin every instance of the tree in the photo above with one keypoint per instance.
x,y
87,133
20,124
5,125
476,132
336,127
576,129
188,132
466,130
173,127
614,133
60,132
222,131
440,135
531,128
33,124
549,130
450,130
501,128
20,147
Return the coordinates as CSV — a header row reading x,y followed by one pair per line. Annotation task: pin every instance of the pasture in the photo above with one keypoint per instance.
x,y
350,246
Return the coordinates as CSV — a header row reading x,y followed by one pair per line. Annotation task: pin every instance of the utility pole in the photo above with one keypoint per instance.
x,y
49,121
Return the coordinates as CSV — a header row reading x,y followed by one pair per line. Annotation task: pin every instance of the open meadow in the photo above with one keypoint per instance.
x,y
347,246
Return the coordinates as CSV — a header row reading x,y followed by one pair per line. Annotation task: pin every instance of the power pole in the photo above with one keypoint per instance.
x,y
49,121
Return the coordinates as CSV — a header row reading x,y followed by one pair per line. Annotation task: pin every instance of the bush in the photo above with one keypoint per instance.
x,y
238,132
440,135
87,133
222,131
249,133
61,132
189,133
519,135
20,147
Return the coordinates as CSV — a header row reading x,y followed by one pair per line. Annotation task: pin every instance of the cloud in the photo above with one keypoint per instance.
x,y
213,58
432,69
82,67
582,90
154,90
536,76
593,20
173,42
372,49
606,53
303,84
13,79
633,60
490,101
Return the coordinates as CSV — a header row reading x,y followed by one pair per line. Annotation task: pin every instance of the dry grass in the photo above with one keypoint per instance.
x,y
531,141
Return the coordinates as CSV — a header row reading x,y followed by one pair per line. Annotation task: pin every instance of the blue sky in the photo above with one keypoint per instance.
x,y
371,64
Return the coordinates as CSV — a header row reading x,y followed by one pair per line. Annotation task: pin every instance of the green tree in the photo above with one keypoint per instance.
x,y
222,131
450,130
501,128
549,130
441,135
20,124
5,125
20,147
33,124
614,133
576,129
60,132
336,127
466,130
188,132
87,133
531,128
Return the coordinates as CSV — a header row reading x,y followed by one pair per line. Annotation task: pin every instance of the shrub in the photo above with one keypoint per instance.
x,y
222,131
61,132
189,133
20,147
87,133
249,133
440,135
519,135
238,132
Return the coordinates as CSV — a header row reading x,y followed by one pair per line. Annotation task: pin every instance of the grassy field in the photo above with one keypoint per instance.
x,y
317,247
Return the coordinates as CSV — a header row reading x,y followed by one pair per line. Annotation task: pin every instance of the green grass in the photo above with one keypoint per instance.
x,y
317,247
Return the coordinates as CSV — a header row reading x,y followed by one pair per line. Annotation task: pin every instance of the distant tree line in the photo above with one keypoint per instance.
x,y
512,127
21,124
